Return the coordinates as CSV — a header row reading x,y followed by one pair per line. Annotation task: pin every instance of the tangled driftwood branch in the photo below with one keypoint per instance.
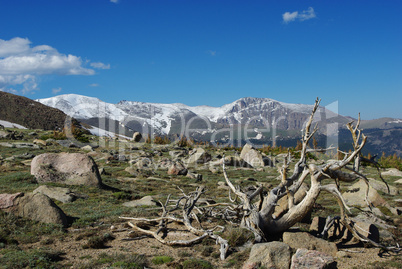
x,y
186,203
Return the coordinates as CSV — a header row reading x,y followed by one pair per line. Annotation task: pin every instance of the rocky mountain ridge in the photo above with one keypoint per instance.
x,y
257,120
254,112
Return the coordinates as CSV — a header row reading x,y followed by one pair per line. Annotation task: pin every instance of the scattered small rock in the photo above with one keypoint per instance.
x,y
392,172
177,168
40,142
144,201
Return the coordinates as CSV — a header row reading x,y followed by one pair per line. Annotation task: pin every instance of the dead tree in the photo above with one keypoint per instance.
x,y
260,218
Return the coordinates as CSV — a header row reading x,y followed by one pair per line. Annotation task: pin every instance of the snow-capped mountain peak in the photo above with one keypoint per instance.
x,y
161,117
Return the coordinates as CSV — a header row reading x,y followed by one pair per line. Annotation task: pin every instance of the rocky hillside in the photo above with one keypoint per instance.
x,y
31,114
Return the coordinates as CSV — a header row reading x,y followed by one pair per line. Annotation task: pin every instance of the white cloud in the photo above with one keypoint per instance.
x,y
56,90
14,46
100,65
94,85
302,16
26,83
21,64
114,1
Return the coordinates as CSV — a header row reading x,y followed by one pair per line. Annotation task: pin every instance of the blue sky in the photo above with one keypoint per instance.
x,y
206,52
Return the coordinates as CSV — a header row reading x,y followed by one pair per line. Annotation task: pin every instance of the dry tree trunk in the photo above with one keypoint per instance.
x,y
260,219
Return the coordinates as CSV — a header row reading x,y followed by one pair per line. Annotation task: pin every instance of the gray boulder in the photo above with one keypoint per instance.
x,y
380,186
177,153
196,176
297,240
269,255
87,148
40,142
356,194
39,207
4,134
254,157
63,195
7,200
67,168
198,156
339,231
307,259
177,168
144,201
392,172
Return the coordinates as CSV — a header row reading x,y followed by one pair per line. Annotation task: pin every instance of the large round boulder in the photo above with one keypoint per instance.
x,y
254,158
67,168
39,207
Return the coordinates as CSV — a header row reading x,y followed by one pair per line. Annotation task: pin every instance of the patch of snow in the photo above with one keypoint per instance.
x,y
8,124
100,132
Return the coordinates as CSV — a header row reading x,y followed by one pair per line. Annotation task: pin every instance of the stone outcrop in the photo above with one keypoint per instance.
x,y
144,201
67,168
305,240
198,156
39,207
392,172
380,186
7,200
356,194
269,255
254,157
177,169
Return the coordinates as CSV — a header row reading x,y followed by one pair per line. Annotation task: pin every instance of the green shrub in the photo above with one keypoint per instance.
x,y
132,261
15,230
98,242
196,264
237,236
121,195
36,258
206,251
161,259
